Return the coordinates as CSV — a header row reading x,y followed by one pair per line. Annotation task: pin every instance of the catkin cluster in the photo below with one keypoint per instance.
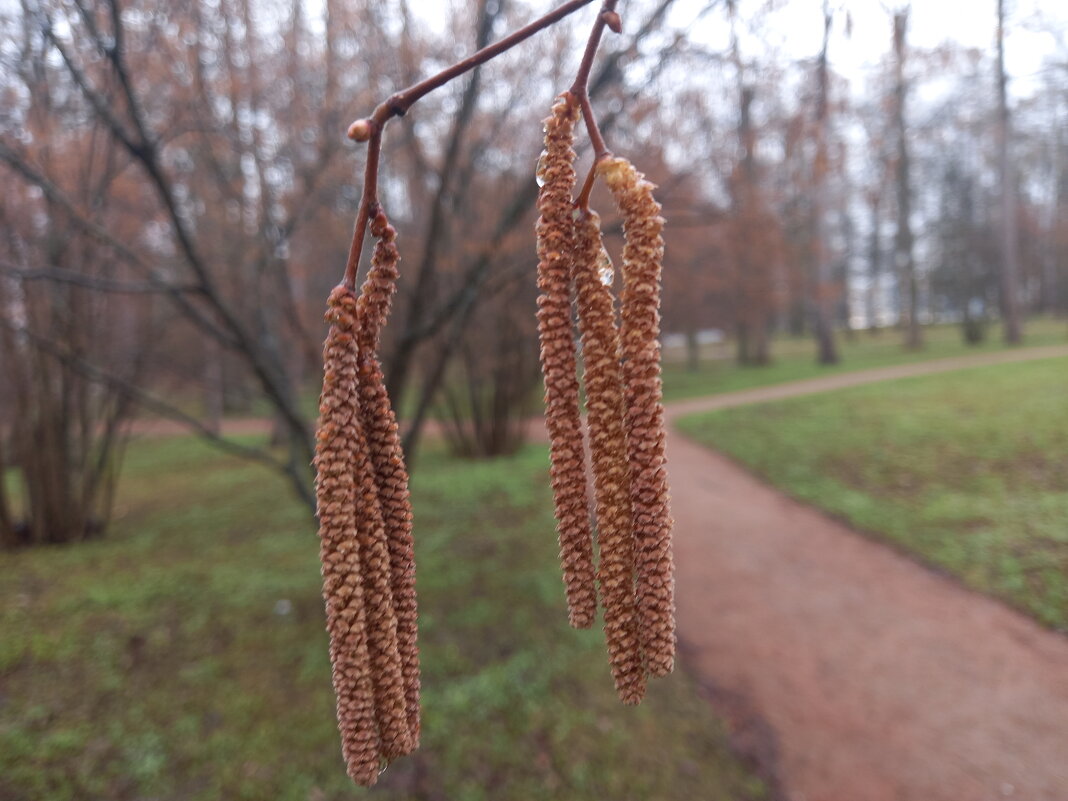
x,y
625,418
556,246
643,253
365,529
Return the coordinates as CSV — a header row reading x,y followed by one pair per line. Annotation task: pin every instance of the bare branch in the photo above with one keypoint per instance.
x,y
60,275
57,196
370,129
144,398
100,104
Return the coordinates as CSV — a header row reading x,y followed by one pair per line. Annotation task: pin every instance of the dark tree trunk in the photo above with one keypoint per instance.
x,y
903,240
875,261
693,351
1010,308
820,289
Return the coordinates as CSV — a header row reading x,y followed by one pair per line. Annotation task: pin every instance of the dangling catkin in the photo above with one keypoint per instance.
x,y
335,462
640,310
387,458
555,230
390,705
603,380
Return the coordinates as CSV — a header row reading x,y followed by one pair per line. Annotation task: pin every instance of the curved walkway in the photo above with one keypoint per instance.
x,y
855,673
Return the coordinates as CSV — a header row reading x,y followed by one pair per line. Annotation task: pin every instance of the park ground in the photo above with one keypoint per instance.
x,y
184,655
856,666
967,470
793,359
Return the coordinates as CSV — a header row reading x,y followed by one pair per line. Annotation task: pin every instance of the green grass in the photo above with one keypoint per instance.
x,y
968,470
795,359
792,360
184,657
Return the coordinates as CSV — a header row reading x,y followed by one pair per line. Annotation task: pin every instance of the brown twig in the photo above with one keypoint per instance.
x,y
370,128
580,91
398,104
368,204
582,202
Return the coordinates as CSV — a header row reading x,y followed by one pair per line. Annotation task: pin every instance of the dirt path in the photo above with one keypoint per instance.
x,y
856,673
811,386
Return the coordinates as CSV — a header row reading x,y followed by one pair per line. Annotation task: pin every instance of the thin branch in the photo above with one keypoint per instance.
x,y
398,104
98,232
580,88
100,104
447,179
144,398
60,275
114,54
370,129
146,151
368,205
524,197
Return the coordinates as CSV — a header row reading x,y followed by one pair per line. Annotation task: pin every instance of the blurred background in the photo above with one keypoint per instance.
x,y
848,186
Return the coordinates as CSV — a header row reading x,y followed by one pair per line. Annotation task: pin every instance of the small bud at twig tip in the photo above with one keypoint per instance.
x,y
360,131
613,21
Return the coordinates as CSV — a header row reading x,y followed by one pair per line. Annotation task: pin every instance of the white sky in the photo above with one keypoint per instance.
x,y
795,29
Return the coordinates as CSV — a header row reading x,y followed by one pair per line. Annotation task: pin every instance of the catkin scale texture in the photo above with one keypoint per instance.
x,y
390,706
603,381
343,590
387,459
555,232
643,252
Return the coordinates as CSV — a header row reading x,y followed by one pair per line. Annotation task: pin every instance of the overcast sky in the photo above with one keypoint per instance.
x,y
796,27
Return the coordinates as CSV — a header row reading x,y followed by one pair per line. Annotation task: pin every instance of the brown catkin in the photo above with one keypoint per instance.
x,y
603,379
387,457
643,252
346,620
555,230
390,705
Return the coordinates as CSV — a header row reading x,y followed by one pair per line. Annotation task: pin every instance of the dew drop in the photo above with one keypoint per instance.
x,y
542,168
605,271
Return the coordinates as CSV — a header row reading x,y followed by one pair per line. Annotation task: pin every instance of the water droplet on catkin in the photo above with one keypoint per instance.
x,y
605,271
542,168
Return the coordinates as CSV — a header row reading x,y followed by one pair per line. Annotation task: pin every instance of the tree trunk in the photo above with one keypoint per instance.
x,y
8,535
1010,309
875,263
820,290
213,385
903,241
760,354
741,342
693,351
401,362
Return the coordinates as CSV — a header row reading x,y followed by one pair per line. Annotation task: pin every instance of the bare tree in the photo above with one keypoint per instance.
x,y
821,297
904,261
1010,265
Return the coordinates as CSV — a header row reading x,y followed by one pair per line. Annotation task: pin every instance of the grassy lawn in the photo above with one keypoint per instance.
x,y
968,469
795,359
184,656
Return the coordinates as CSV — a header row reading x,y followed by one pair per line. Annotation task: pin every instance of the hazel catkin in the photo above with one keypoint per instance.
x,y
343,592
386,676
555,233
603,382
643,252
387,459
